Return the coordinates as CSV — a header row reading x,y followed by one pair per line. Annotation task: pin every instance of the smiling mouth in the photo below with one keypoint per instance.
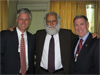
x,y
23,25
80,31
51,27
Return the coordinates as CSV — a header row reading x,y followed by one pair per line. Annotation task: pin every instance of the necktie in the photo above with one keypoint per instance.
x,y
51,55
23,56
78,49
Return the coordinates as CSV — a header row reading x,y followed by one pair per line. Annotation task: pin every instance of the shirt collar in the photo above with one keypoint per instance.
x,y
51,35
85,37
19,32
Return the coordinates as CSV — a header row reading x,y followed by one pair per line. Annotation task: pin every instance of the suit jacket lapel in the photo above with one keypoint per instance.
x,y
16,44
28,40
73,47
85,47
15,38
65,51
61,46
41,44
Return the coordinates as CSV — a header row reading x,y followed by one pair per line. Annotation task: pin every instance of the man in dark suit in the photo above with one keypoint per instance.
x,y
12,52
62,48
86,59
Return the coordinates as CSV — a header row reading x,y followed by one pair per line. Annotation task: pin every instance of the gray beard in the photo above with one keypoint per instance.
x,y
52,31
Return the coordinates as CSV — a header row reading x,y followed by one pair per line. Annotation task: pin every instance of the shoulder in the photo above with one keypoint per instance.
x,y
6,32
42,31
6,35
65,30
96,40
29,34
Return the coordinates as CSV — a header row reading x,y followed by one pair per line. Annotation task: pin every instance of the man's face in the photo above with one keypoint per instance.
x,y
51,21
23,21
81,27
52,25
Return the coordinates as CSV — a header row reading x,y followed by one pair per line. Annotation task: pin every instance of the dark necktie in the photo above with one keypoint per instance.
x,y
78,49
23,56
51,56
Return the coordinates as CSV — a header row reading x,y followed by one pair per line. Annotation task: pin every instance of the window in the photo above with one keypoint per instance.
x,y
90,16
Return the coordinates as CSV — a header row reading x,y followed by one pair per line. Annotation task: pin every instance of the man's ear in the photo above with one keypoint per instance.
x,y
16,20
88,25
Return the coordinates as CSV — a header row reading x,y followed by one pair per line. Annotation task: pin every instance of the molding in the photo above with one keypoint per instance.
x,y
33,1
35,7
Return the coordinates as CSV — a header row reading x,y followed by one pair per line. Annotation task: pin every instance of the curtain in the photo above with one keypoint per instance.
x,y
97,17
0,15
67,10
3,15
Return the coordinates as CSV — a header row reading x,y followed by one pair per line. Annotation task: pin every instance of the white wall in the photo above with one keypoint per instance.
x,y
12,10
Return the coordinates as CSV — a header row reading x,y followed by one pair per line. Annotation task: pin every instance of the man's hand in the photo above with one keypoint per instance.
x,y
95,35
11,28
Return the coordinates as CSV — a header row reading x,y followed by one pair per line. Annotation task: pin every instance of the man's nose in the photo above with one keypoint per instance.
x,y
23,21
51,23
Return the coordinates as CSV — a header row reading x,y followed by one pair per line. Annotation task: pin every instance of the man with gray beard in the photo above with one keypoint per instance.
x,y
62,39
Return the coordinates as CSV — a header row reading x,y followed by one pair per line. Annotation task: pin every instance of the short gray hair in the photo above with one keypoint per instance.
x,y
80,16
24,10
52,13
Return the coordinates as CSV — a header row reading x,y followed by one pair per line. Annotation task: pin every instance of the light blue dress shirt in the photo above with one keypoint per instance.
x,y
84,39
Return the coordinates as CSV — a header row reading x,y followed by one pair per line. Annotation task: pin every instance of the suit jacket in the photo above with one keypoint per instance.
x,y
88,58
65,38
10,57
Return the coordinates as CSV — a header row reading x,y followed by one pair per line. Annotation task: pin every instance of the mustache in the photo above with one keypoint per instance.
x,y
51,26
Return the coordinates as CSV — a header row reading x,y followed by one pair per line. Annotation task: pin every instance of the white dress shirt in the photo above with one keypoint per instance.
x,y
44,60
26,44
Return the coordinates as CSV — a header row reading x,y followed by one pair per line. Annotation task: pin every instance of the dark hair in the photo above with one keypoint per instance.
x,y
80,16
24,10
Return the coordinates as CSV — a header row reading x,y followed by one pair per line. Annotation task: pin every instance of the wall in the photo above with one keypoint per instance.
x,y
37,21
38,9
12,10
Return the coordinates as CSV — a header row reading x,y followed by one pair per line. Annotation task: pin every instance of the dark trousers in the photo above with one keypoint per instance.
x,y
43,71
